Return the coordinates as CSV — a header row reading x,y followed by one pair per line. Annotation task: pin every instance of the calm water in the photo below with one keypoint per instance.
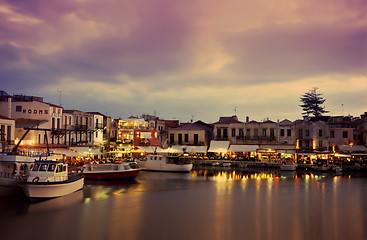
x,y
205,204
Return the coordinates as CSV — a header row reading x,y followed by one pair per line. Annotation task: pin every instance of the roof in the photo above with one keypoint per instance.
x,y
285,122
228,120
352,148
3,117
97,113
198,125
54,105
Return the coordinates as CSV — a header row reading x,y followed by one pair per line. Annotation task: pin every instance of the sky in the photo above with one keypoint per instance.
x,y
187,59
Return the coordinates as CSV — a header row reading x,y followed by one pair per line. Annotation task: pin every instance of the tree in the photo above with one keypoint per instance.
x,y
312,103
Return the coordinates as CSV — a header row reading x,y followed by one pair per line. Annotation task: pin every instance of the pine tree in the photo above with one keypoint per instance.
x,y
312,103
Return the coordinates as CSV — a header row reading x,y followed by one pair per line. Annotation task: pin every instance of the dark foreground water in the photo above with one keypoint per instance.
x,y
205,204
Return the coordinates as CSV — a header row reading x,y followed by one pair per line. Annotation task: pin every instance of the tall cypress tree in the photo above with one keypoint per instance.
x,y
312,103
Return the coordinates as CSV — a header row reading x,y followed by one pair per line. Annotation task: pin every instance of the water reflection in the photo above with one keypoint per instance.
x,y
204,204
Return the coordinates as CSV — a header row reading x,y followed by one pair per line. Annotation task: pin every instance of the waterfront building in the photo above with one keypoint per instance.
x,y
33,112
286,133
78,128
229,128
128,134
7,131
265,132
194,134
100,124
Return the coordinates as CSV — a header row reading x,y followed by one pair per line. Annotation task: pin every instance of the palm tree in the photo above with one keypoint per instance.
x,y
312,103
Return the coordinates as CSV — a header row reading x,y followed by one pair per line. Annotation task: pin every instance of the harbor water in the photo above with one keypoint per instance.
x,y
203,204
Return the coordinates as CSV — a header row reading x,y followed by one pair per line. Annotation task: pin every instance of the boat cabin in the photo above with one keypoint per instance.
x,y
49,171
169,159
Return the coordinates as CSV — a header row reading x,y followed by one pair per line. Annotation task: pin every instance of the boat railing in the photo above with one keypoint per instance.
x,y
30,153
7,175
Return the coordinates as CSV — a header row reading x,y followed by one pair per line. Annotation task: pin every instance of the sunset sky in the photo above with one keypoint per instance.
x,y
184,59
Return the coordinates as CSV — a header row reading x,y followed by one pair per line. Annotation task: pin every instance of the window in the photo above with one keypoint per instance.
x,y
196,139
345,134
225,133
307,133
233,130
186,137
53,123
51,167
300,133
272,132
332,134
241,133
36,167
66,120
282,132
320,132
43,167
179,138
289,132
18,108
248,133
264,132
219,133
172,138
320,143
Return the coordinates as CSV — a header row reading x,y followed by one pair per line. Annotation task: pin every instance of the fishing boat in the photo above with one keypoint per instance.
x,y
50,179
111,171
13,167
321,165
288,165
167,163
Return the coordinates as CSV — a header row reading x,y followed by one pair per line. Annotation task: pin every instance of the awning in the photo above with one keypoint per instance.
x,y
243,148
86,150
218,146
196,149
185,148
286,151
352,148
151,149
342,155
145,135
307,154
66,152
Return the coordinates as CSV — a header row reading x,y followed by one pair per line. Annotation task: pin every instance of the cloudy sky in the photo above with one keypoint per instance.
x,y
184,59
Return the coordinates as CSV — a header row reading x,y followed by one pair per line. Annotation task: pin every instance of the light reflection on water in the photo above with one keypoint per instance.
x,y
204,204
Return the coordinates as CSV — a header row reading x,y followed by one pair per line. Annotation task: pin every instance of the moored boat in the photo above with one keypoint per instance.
x,y
288,165
111,171
50,179
13,167
167,163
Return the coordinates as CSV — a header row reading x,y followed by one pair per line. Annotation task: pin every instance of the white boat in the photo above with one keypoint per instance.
x,y
288,165
226,164
13,167
167,163
321,167
111,171
50,179
215,164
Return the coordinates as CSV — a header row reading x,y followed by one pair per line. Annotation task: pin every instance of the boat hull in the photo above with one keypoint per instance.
x,y
112,175
47,190
288,167
168,167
